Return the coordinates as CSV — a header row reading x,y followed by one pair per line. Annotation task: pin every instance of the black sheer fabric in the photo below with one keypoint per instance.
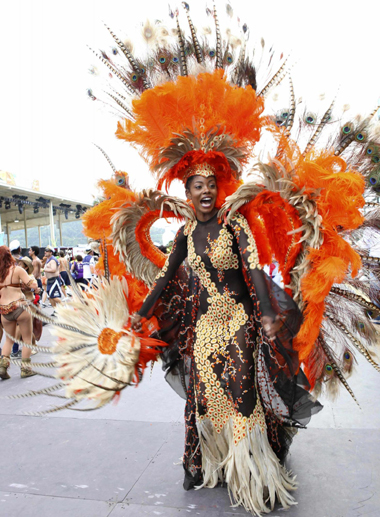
x,y
209,309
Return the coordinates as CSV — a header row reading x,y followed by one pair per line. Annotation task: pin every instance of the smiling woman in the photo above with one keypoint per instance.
x,y
231,341
202,192
231,317
222,320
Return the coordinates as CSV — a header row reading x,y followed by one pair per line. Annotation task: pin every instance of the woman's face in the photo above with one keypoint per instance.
x,y
203,192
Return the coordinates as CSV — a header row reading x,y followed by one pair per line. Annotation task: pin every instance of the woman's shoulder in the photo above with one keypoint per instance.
x,y
19,273
181,232
236,221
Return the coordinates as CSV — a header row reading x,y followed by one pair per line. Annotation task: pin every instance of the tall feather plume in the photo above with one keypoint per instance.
x,y
197,48
325,119
122,105
292,111
122,78
237,75
106,265
182,54
349,295
358,345
353,134
219,57
371,265
355,318
246,75
276,79
129,56
336,368
106,157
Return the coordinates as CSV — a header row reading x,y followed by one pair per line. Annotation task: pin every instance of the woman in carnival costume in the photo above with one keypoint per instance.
x,y
231,341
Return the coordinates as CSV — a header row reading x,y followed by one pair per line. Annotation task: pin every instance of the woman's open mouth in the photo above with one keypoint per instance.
x,y
206,202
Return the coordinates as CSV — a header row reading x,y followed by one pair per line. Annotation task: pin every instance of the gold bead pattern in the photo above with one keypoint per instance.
x,y
253,258
200,169
220,252
164,269
202,126
243,424
214,331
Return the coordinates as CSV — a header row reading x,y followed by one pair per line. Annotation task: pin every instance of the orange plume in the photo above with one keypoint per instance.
x,y
198,104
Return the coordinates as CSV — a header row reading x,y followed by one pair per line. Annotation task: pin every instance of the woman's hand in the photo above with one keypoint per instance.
x,y
271,326
136,322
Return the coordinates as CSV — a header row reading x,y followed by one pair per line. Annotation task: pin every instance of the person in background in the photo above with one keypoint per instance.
x,y
93,268
169,246
77,271
63,266
27,264
88,265
1,333
31,296
13,280
53,285
34,251
15,249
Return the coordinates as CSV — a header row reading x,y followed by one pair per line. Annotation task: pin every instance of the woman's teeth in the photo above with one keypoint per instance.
x,y
206,202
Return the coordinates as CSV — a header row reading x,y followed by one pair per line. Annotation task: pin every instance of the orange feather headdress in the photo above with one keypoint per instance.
x,y
196,120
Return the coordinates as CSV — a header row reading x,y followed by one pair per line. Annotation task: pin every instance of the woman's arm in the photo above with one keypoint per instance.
x,y
174,260
248,251
25,279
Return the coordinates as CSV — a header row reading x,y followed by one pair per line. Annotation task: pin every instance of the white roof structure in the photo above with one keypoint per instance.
x,y
21,208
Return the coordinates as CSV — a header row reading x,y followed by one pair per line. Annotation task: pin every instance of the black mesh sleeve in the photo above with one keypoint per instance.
x,y
174,260
250,259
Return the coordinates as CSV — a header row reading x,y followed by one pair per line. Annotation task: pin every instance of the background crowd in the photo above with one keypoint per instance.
x,y
30,281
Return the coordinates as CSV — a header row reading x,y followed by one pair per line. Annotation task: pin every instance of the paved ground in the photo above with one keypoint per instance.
x,y
124,460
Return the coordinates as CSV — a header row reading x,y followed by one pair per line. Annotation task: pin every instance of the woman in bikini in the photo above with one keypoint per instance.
x,y
13,280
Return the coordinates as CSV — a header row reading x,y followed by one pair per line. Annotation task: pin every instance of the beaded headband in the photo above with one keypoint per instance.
x,y
200,169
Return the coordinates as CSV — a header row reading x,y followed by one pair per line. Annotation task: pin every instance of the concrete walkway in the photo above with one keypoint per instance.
x,y
124,460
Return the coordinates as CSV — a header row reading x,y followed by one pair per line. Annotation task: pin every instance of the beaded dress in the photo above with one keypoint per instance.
x,y
195,107
244,399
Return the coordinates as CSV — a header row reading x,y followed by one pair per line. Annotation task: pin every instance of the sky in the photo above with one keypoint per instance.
x,y
48,125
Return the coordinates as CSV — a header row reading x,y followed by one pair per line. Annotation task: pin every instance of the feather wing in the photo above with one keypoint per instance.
x,y
130,235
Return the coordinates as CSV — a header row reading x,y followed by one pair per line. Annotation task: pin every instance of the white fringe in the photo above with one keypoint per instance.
x,y
248,468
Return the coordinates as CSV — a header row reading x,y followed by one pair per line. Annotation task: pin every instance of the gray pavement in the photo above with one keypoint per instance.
x,y
124,460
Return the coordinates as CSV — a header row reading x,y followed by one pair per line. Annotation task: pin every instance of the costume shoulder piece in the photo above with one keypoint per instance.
x,y
196,104
314,211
